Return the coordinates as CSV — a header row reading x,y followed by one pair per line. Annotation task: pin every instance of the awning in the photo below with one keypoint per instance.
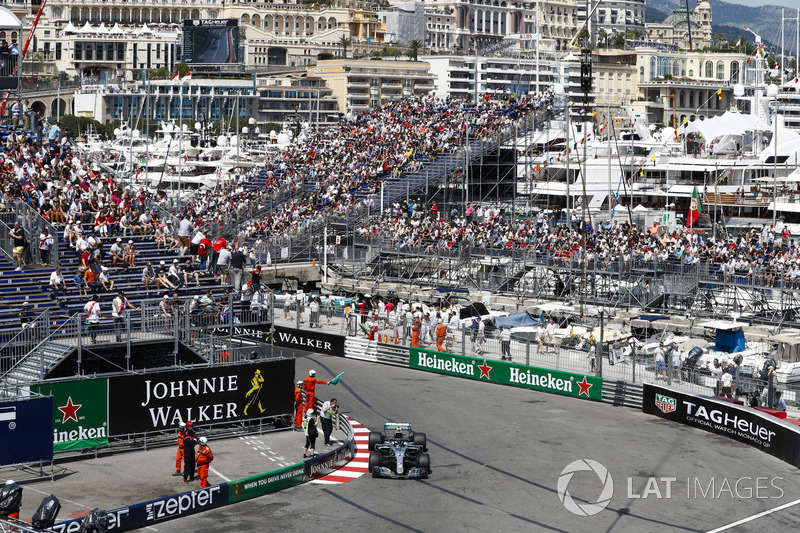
x,y
723,325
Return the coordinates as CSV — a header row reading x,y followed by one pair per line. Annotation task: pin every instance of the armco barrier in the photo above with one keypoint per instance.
x,y
765,432
507,373
150,513
376,352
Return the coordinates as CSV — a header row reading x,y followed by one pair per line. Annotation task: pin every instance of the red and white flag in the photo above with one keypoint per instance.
x,y
187,77
175,78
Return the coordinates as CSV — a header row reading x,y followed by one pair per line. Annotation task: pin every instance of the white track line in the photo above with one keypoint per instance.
x,y
216,473
755,517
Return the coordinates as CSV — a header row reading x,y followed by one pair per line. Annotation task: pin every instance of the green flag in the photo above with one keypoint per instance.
x,y
335,380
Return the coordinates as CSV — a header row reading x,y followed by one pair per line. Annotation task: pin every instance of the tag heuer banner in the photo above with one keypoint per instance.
x,y
80,413
161,400
760,430
569,384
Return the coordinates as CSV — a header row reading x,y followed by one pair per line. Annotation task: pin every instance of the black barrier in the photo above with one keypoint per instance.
x,y
26,431
153,512
324,464
310,341
161,400
762,431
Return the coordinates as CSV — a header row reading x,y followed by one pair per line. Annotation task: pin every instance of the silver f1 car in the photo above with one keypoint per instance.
x,y
398,453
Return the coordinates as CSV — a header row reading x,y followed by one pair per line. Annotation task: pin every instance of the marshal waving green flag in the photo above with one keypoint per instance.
x,y
335,380
505,373
80,413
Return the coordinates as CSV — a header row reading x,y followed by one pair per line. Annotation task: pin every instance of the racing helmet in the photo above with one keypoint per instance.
x,y
312,372
182,425
189,423
299,383
310,412
203,441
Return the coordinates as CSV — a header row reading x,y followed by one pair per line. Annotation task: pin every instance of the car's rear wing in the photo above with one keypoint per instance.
x,y
395,426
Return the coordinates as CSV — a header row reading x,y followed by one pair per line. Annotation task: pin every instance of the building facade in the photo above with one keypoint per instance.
x,y
359,84
456,75
676,28
697,84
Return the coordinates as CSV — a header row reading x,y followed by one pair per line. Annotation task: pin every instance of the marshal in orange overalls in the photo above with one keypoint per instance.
x,y
309,386
299,401
416,325
441,335
179,455
204,458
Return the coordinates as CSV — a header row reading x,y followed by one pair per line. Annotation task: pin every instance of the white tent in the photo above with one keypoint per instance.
x,y
116,30
69,28
87,28
144,29
102,28
8,20
727,124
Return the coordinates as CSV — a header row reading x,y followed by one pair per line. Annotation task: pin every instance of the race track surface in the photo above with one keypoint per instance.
x,y
497,453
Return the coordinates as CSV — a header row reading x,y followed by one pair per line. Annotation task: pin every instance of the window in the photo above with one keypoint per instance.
x,y
734,72
709,69
720,70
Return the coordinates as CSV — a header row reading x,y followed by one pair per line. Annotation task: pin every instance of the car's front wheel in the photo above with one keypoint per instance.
x,y
374,463
425,463
375,439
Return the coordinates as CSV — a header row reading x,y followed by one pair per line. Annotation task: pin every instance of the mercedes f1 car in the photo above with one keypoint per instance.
x,y
398,453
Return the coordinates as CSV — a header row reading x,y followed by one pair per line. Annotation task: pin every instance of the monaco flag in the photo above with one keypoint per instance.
x,y
175,78
187,77
695,208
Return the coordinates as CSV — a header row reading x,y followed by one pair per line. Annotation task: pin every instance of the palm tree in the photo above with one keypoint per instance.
x,y
345,42
413,48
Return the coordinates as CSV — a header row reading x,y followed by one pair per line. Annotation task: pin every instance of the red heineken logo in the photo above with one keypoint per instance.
x,y
485,369
70,410
666,404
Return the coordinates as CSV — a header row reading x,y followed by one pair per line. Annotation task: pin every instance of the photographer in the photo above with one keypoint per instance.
x,y
329,410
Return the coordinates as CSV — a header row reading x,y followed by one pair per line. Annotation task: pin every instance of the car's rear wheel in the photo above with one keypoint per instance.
x,y
375,438
421,440
374,462
425,463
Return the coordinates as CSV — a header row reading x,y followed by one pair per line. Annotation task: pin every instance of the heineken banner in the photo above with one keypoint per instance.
x,y
26,431
760,430
506,373
161,400
309,341
80,413
253,486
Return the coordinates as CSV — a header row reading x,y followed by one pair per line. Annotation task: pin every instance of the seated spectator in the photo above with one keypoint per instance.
x,y
91,281
104,279
174,274
117,253
189,272
57,284
164,306
80,282
162,274
149,276
130,254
